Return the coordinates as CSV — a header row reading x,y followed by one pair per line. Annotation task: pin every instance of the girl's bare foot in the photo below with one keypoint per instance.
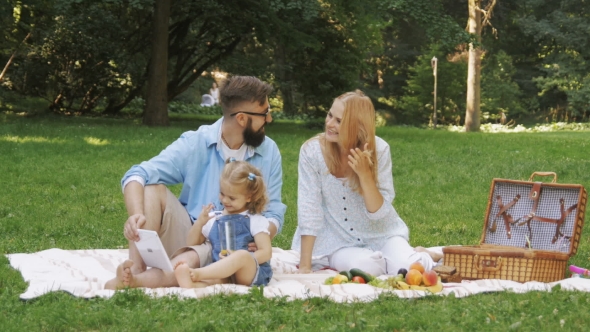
x,y
184,276
434,255
124,277
178,263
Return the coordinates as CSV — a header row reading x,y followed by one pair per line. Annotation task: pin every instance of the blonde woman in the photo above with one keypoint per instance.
x,y
345,195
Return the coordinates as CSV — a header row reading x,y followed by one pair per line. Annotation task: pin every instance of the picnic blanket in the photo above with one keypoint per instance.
x,y
83,273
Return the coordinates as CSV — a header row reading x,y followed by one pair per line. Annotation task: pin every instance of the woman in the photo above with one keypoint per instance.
x,y
345,192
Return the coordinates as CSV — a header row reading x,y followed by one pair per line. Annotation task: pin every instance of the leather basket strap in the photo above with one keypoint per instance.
x,y
508,220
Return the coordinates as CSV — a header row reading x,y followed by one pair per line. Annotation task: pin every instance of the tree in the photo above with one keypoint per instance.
x,y
315,51
560,29
417,104
500,94
409,28
156,106
474,26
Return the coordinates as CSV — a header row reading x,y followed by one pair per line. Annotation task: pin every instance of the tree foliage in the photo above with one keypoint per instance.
x,y
417,102
500,94
93,56
561,30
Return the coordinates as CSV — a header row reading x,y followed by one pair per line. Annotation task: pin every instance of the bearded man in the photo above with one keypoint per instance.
x,y
196,160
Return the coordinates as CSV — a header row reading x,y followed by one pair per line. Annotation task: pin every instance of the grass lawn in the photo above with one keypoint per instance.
x,y
61,190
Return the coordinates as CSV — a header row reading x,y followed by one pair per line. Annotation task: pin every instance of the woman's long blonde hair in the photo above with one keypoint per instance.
x,y
356,128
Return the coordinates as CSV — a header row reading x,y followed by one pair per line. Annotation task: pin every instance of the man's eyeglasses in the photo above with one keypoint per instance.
x,y
252,113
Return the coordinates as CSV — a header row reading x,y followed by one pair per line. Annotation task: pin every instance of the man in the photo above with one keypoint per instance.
x,y
196,160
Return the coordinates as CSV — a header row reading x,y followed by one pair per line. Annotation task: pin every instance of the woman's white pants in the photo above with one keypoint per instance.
x,y
394,255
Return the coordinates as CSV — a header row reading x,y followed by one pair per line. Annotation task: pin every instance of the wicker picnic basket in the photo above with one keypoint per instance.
x,y
530,232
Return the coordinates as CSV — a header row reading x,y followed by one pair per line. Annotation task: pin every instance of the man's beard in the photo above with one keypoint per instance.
x,y
251,137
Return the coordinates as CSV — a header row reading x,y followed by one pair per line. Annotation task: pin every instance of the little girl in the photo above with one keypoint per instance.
x,y
243,195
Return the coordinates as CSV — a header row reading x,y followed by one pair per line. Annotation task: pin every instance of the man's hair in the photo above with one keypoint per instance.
x,y
238,89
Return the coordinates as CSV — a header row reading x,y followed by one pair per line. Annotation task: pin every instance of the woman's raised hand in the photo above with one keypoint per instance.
x,y
360,161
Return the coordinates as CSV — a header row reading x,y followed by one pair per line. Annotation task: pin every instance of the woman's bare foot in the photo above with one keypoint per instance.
x,y
184,276
124,277
434,255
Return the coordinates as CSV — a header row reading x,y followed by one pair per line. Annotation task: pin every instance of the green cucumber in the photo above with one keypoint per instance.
x,y
347,274
360,273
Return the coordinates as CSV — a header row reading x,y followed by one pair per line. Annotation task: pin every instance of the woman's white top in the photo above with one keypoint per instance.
x,y
328,209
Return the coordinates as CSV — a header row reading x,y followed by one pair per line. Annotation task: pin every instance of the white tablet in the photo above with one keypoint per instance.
x,y
152,251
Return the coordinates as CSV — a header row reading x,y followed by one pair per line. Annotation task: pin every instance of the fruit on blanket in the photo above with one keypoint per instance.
x,y
437,288
402,285
403,272
418,287
347,274
328,281
414,277
397,282
360,273
339,279
429,278
358,279
417,266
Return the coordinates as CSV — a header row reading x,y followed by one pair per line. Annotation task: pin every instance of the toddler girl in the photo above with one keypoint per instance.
x,y
243,195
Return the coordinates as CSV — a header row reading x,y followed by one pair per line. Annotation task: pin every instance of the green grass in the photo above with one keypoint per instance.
x,y
61,189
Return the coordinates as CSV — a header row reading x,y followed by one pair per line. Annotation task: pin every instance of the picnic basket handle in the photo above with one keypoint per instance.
x,y
480,268
553,174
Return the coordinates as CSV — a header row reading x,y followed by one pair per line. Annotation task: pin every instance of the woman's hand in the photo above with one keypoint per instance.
x,y
252,247
360,162
307,243
304,269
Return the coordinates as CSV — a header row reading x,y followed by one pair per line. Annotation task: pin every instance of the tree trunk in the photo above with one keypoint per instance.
x,y
156,105
472,114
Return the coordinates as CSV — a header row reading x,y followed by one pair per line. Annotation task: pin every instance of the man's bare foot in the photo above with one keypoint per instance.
x,y
184,276
124,277
434,255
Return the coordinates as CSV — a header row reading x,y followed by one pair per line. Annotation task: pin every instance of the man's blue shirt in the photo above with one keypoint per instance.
x,y
195,160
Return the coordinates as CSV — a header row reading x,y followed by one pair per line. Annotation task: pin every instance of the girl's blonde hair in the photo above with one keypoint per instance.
x,y
356,128
241,173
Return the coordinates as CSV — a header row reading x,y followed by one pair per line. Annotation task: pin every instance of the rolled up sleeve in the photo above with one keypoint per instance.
x,y
165,168
385,185
276,208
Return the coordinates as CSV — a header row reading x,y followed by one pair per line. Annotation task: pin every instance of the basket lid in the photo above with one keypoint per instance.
x,y
535,215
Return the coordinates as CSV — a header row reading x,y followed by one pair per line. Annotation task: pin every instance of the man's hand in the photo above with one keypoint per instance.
x,y
131,226
252,247
272,229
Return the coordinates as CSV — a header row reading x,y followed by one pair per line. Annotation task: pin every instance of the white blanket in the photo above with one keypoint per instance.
x,y
83,273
